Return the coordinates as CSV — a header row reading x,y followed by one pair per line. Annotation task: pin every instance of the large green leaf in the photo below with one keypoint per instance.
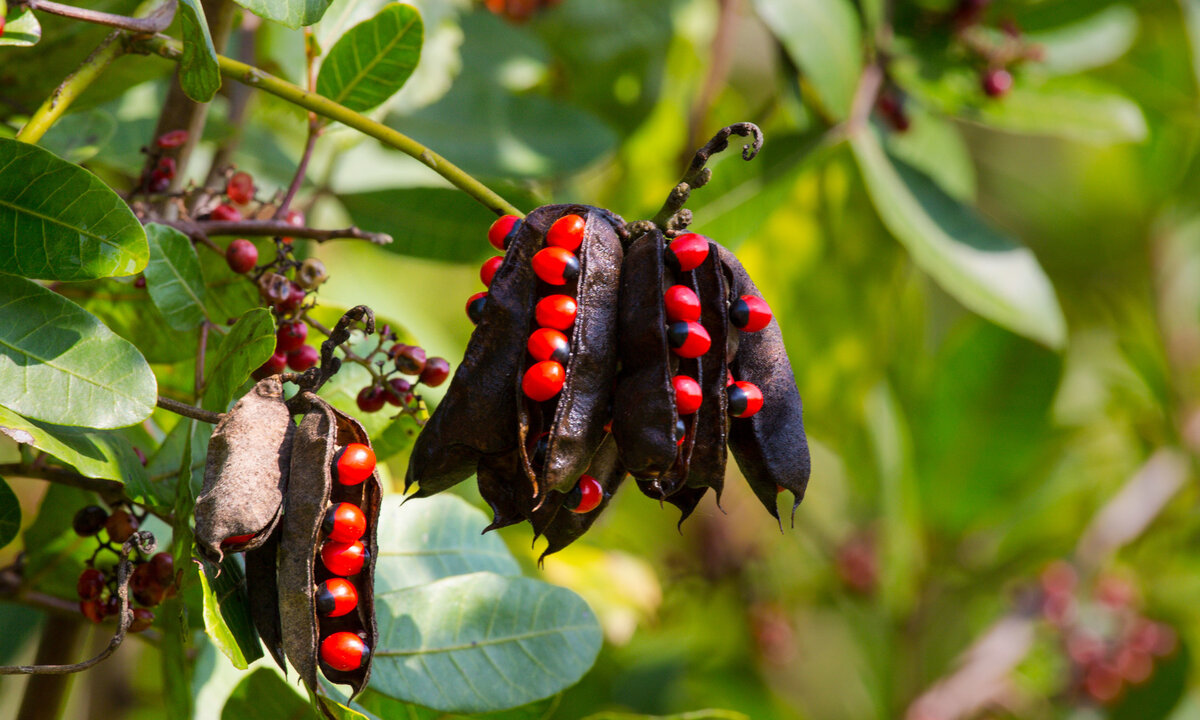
x,y
21,30
1091,42
824,38
79,136
293,13
10,514
382,706
693,715
227,614
199,75
173,277
60,222
59,364
263,695
372,61
985,270
93,453
433,538
482,642
130,312
157,487
250,342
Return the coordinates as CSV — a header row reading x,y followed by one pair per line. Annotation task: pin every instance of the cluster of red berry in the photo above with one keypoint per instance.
x,y
343,555
997,59
408,360
162,171
153,578
518,10
1109,643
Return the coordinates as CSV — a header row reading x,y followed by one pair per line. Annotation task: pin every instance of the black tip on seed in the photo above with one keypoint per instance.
x,y
677,334
475,310
737,400
571,269
671,260
327,523
561,354
574,498
739,313
325,601
512,233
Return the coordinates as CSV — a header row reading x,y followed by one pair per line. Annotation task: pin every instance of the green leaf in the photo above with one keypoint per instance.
x,y
131,313
62,222
227,615
1191,18
824,38
694,715
173,650
263,695
1089,43
433,538
199,75
482,642
79,136
293,13
21,30
250,342
10,514
93,453
173,277
60,365
54,554
157,487
374,59
382,706
983,269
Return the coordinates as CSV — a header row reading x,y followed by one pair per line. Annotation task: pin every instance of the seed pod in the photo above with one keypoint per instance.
x,y
707,466
262,595
770,446
300,571
245,473
564,527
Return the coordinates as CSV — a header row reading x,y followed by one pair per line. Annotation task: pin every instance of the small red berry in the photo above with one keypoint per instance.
x,y
302,358
92,610
166,167
586,496
745,399
371,398
343,559
688,339
241,255
681,304
556,266
226,213
996,82
556,311
475,305
344,522
90,584
290,336
566,232
437,369
142,619
295,218
344,651
687,252
160,181
140,282
687,394
237,540
399,392
120,525
488,271
549,344
503,229
273,366
164,568
750,313
336,597
240,188
89,520
172,139
410,359
544,380
144,585
292,302
354,464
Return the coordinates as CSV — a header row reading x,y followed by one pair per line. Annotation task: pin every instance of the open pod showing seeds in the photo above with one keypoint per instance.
x,y
327,550
245,473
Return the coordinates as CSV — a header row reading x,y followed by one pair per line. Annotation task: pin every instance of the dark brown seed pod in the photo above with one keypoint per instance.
x,y
707,466
300,570
246,473
262,595
564,527
770,446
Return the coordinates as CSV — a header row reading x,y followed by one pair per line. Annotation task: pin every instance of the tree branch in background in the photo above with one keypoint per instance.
x,y
202,229
189,411
157,21
72,87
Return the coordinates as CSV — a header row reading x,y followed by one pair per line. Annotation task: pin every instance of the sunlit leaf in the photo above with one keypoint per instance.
x,y
374,59
293,13
823,37
21,30
173,277
1092,42
263,695
199,75
93,453
227,615
250,342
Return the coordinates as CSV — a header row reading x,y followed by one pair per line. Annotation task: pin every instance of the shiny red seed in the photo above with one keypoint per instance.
x,y
544,380
290,336
343,559
241,255
90,584
745,399
687,394
410,359
344,651
344,522
336,597
488,271
354,464
237,540
682,304
499,232
437,369
750,313
240,188
226,213
302,358
566,232
688,339
172,139
555,266
475,305
556,311
728,378
295,218
293,301
590,495
371,399
687,252
549,344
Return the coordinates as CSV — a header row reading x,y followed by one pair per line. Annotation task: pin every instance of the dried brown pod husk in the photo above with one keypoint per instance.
x,y
312,491
565,527
707,468
246,472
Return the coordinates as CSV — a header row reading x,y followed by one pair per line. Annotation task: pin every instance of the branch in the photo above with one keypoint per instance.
x,y
673,218
241,72
155,22
188,411
110,490
72,87
202,229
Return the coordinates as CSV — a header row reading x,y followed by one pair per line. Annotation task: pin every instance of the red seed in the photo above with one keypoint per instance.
x,y
437,369
745,399
371,399
996,82
237,540
688,339
120,525
293,301
295,218
681,304
475,305
344,522
343,559
240,188
226,213
410,359
555,266
241,255
336,597
290,336
399,392
302,358
543,381
172,139
586,496
680,431
687,252
566,232
344,651
556,311
549,344
501,230
90,584
750,313
354,463
273,366
166,167
164,568
488,271
687,394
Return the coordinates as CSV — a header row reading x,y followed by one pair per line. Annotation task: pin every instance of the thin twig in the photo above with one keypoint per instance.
x,y
718,69
314,131
200,230
72,87
189,411
157,21
201,348
107,489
